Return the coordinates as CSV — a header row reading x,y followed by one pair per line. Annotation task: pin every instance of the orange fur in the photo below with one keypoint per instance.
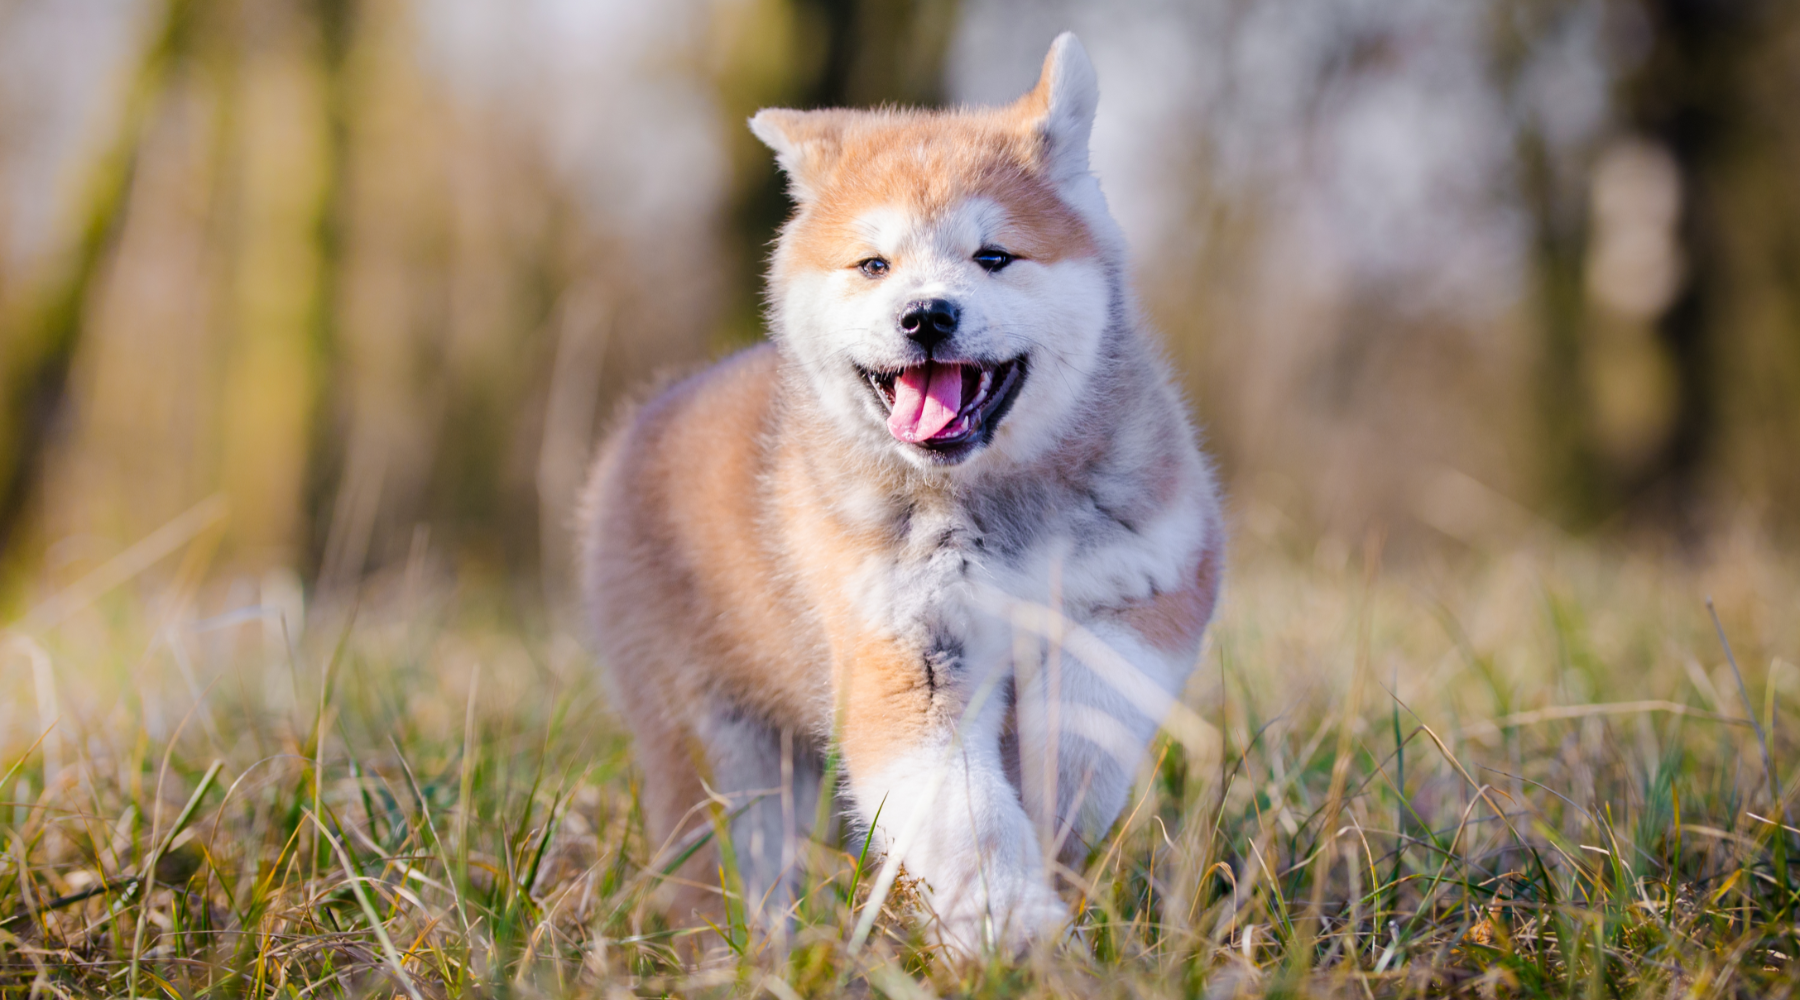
x,y
1174,621
926,162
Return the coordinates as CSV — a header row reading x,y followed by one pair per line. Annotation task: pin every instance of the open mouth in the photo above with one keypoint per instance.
x,y
946,405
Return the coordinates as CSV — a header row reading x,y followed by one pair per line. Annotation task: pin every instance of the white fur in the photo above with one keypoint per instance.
x,y
1053,313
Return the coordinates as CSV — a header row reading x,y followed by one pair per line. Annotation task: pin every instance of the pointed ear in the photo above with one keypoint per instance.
x,y
1061,107
805,144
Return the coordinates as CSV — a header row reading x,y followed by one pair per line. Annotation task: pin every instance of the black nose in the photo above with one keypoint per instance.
x,y
930,322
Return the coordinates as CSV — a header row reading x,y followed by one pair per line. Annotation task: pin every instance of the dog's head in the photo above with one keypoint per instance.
x,y
949,276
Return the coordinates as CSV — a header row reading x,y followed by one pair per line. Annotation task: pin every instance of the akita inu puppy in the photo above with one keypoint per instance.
x,y
857,532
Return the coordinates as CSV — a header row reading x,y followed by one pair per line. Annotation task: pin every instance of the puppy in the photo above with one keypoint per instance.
x,y
951,522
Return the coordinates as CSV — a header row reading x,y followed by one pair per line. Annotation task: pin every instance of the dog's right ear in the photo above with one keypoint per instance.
x,y
806,145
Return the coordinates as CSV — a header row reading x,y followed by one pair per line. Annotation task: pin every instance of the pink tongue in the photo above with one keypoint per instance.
x,y
926,398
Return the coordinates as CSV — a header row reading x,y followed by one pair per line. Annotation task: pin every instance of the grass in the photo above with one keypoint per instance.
x,y
1528,773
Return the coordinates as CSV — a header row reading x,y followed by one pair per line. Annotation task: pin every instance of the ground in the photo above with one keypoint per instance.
x,y
1526,771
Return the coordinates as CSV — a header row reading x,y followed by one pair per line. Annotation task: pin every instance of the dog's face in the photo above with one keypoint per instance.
x,y
948,279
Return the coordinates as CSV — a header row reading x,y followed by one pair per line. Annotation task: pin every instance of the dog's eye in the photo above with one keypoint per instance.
x,y
992,259
874,267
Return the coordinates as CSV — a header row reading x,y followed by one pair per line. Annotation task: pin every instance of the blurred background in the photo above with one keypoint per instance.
x,y
357,283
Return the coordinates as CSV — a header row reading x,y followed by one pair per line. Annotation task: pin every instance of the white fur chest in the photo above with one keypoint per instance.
x,y
938,586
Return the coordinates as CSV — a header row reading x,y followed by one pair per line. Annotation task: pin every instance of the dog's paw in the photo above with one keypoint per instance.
x,y
971,924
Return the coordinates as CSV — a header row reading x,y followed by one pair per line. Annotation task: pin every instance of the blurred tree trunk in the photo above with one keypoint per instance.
x,y
272,375
38,348
1689,96
812,54
1773,202
1559,245
326,452
1552,187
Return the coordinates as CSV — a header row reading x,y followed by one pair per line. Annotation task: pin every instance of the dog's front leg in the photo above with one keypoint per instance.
x,y
923,750
1084,723
1088,710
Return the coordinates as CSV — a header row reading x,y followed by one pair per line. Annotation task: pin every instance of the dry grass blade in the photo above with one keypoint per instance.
x,y
1762,738
180,530
362,899
146,881
1565,713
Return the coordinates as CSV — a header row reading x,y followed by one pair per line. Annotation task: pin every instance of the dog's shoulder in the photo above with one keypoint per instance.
x,y
684,458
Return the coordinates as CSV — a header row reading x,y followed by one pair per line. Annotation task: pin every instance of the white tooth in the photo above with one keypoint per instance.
x,y
981,392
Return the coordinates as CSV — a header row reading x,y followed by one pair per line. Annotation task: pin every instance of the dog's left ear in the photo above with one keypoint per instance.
x,y
806,145
1061,108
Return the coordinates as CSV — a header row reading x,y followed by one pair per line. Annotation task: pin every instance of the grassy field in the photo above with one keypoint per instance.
x,y
1523,773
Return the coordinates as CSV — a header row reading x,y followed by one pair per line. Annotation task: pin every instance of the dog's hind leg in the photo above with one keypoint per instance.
x,y
673,798
771,783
